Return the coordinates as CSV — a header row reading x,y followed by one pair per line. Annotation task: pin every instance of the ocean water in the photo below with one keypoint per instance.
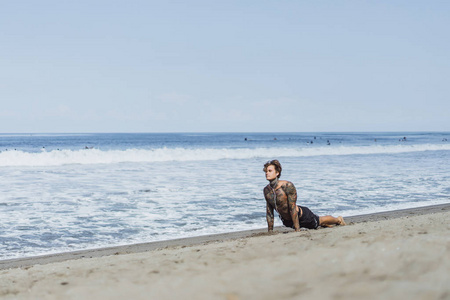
x,y
66,192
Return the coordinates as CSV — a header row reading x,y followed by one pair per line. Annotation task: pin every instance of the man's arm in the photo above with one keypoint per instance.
x,y
269,217
269,212
291,194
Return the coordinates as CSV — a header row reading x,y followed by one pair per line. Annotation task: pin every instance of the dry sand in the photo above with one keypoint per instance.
x,y
398,255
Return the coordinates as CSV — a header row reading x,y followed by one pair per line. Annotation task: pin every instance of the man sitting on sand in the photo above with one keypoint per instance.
x,y
281,195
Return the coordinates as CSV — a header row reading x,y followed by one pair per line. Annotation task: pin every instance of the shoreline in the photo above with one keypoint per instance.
x,y
199,240
390,255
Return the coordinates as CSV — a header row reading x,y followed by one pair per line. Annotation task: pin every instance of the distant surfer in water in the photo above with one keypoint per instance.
x,y
281,196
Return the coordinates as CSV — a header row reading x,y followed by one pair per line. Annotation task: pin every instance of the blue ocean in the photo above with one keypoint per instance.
x,y
66,192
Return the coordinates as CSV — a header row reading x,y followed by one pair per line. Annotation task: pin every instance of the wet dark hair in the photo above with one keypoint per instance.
x,y
274,163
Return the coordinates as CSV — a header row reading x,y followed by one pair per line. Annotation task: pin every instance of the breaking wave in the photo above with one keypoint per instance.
x,y
96,156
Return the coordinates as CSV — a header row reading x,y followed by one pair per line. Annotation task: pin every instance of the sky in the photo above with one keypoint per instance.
x,y
224,66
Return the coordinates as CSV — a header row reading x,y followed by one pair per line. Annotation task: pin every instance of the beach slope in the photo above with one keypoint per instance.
x,y
378,258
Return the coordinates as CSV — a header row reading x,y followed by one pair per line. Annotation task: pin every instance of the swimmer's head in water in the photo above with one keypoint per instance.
x,y
274,163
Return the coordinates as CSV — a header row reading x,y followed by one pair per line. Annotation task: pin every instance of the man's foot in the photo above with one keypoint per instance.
x,y
341,221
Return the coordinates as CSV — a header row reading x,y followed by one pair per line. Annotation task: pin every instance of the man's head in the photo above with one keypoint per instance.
x,y
272,169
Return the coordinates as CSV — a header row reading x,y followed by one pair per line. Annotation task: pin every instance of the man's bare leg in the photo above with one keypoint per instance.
x,y
330,221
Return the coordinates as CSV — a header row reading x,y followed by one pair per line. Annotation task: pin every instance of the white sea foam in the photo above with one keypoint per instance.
x,y
70,202
96,156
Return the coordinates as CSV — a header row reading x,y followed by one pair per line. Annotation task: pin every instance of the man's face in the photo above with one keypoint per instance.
x,y
271,174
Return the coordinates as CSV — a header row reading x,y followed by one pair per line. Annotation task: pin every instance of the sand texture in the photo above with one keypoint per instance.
x,y
407,257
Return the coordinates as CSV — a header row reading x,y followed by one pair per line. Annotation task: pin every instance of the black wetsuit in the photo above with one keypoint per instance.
x,y
307,220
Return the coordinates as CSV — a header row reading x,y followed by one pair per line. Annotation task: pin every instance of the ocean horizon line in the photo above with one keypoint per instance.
x,y
224,132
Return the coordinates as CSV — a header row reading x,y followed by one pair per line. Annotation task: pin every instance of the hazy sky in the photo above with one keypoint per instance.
x,y
204,66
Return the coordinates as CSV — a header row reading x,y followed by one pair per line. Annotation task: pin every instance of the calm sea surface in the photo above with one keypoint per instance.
x,y
65,192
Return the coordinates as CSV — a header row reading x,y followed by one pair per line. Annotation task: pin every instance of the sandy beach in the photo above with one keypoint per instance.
x,y
392,255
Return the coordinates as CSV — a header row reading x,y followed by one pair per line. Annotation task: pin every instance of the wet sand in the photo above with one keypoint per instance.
x,y
390,255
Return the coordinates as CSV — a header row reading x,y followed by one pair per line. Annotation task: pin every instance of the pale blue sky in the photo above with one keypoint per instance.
x,y
204,66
